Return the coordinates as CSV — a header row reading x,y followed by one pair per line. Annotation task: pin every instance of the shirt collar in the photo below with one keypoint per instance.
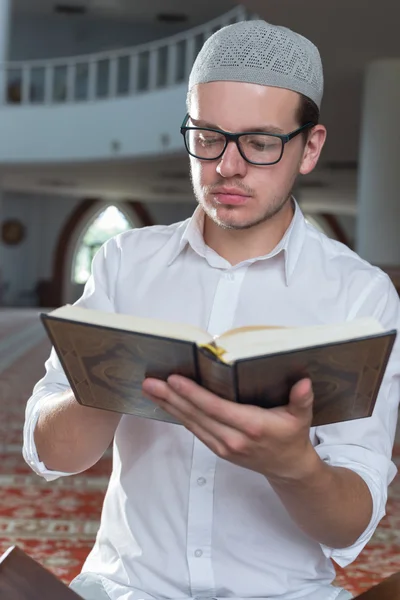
x,y
290,245
191,233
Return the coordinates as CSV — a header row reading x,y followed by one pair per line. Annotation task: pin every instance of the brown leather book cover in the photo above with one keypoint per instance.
x,y
22,578
106,367
346,377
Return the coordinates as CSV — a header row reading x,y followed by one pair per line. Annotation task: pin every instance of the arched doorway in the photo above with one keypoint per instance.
x,y
61,289
101,222
109,222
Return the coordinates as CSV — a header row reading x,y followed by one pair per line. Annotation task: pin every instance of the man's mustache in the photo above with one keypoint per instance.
x,y
210,189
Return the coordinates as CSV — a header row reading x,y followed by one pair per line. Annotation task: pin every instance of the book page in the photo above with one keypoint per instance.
x,y
167,329
244,329
249,342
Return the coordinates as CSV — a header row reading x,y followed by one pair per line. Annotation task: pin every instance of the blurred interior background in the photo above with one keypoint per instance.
x,y
92,94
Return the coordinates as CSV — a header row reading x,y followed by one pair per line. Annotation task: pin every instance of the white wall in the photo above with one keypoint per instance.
x,y
51,36
24,265
31,260
79,132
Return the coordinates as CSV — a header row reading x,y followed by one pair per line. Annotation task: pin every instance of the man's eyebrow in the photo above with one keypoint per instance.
x,y
256,128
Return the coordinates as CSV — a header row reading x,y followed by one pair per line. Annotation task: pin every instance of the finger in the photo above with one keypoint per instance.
x,y
208,438
155,388
188,397
243,418
301,400
181,405
158,404
189,413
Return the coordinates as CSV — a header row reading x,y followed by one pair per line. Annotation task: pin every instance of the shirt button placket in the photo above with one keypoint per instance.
x,y
200,520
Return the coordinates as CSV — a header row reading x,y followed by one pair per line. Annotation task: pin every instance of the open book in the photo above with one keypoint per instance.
x,y
106,357
22,578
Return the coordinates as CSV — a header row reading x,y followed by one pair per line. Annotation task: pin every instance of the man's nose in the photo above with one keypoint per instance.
x,y
232,163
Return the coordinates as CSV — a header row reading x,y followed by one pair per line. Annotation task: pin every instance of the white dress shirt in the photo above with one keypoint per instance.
x,y
179,522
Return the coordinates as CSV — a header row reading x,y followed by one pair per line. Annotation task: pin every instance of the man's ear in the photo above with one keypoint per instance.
x,y
312,149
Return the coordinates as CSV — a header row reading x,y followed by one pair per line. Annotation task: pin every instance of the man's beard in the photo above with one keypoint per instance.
x,y
273,208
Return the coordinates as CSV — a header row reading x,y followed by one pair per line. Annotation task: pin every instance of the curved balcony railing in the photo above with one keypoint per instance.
x,y
104,75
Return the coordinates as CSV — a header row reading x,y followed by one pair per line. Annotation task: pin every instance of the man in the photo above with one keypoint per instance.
x,y
240,502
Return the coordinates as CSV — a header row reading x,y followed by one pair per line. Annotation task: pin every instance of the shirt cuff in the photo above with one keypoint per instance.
x,y
379,473
29,450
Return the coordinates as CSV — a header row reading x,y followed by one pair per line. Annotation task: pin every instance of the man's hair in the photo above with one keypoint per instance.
x,y
307,112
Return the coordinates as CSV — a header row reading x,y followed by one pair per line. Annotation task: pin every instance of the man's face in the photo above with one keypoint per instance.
x,y
234,193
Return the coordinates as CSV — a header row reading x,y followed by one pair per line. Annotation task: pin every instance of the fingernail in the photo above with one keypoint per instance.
x,y
150,386
174,382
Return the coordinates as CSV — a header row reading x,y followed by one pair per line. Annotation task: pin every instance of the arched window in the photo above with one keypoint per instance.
x,y
105,225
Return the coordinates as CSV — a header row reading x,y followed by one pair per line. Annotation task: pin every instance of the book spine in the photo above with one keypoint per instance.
x,y
235,381
196,364
215,375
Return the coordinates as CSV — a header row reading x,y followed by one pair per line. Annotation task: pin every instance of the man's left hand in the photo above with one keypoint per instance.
x,y
274,442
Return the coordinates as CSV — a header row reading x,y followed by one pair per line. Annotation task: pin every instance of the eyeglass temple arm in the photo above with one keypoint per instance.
x,y
294,133
185,120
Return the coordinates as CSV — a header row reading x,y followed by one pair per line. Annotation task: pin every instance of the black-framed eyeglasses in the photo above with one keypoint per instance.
x,y
255,147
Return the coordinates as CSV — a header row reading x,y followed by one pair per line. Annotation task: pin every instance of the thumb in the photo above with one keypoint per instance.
x,y
301,399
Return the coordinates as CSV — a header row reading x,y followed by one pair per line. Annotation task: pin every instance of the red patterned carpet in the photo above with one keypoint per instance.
x,y
56,522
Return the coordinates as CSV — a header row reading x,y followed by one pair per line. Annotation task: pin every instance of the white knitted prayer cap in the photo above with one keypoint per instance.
x,y
258,52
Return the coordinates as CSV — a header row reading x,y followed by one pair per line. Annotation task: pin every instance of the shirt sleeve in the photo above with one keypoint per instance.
x,y
98,294
365,445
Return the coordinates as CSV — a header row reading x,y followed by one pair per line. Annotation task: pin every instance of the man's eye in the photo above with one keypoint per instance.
x,y
208,141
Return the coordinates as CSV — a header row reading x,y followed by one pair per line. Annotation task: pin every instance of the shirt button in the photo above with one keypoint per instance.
x,y
201,481
198,553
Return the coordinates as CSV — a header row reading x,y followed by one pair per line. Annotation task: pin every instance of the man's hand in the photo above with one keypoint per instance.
x,y
333,505
273,442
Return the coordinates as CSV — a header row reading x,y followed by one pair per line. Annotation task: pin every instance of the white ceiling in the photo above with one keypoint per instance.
x,y
141,180
197,11
163,179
